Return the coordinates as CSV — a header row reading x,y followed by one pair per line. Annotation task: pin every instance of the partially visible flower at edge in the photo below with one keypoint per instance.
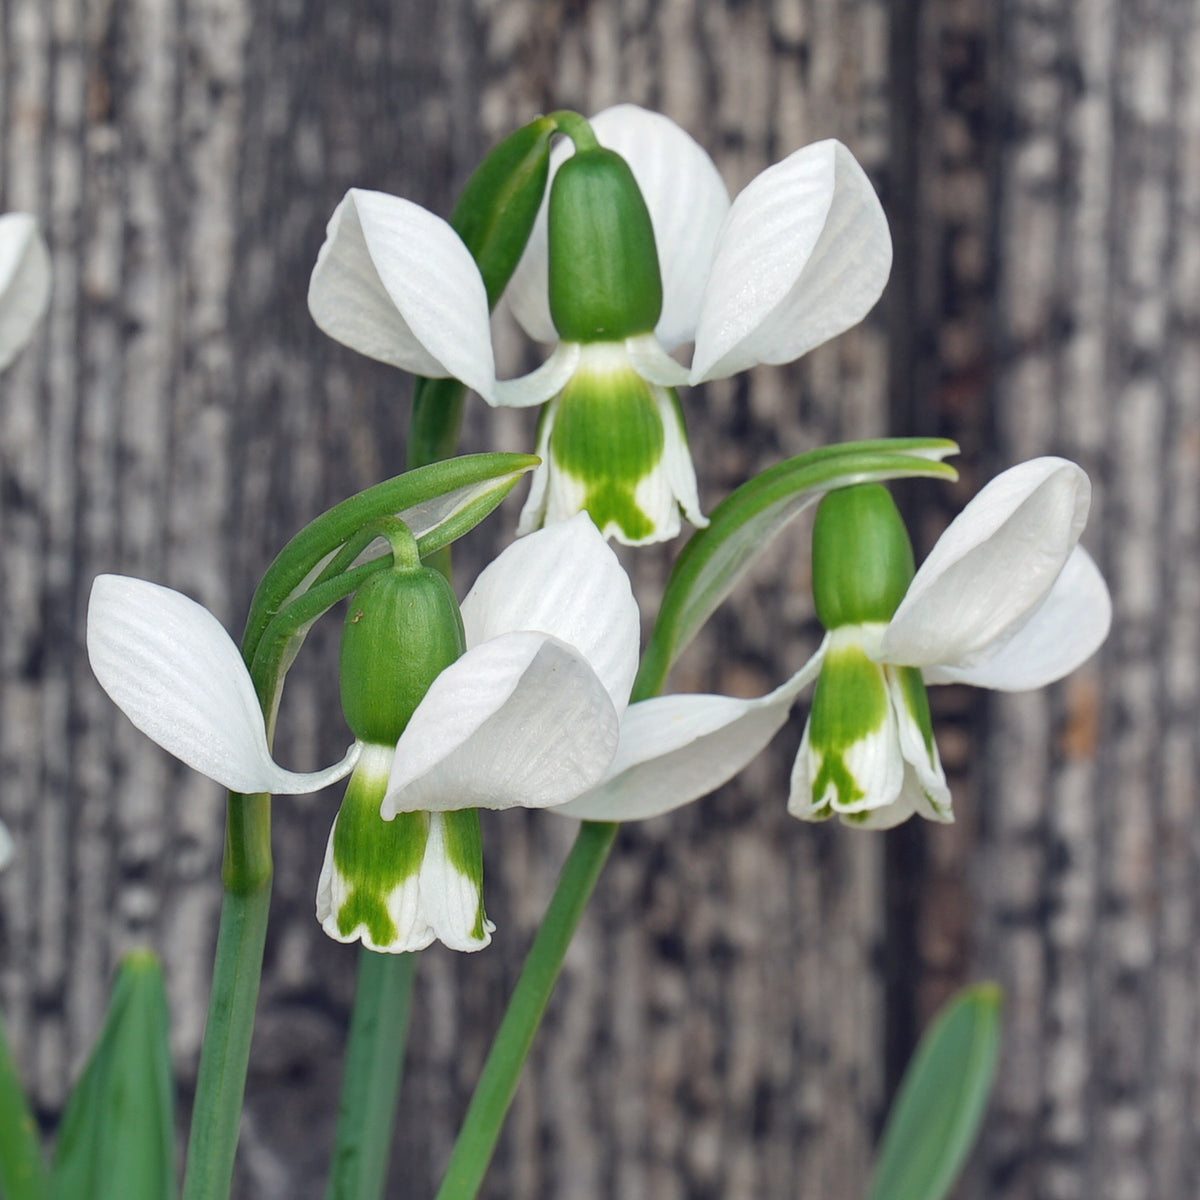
x,y
24,282
801,256
24,297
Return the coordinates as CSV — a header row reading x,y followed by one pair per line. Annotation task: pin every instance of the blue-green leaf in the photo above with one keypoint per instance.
x,y
941,1100
117,1136
744,524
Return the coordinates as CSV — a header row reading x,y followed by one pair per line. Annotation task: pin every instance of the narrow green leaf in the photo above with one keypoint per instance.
x,y
941,1100
438,502
744,524
374,1059
22,1170
499,202
117,1136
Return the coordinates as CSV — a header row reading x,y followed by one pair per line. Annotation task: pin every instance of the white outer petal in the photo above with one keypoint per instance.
x,y
543,384
522,720
563,580
687,201
803,255
24,282
648,358
992,567
172,669
1063,632
675,749
396,283
449,899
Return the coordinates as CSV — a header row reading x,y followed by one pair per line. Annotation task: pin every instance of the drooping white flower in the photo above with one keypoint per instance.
x,y
1007,599
24,282
528,716
800,256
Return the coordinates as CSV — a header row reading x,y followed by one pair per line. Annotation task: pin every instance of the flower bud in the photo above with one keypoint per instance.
x,y
862,560
604,278
403,628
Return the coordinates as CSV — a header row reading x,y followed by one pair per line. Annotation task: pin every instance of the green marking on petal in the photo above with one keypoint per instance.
x,y
464,851
834,773
849,704
373,856
608,435
916,702
677,409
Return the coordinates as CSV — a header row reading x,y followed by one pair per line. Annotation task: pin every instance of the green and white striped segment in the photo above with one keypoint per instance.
x,y
613,443
868,754
401,883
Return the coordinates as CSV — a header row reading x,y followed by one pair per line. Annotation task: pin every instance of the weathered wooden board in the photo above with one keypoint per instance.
x,y
743,992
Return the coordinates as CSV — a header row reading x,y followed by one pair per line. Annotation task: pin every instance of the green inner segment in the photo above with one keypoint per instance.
x,y
916,701
849,704
608,435
374,856
464,850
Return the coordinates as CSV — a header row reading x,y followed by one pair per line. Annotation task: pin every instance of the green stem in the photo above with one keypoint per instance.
x,y
225,1052
325,535
576,127
498,1081
374,1057
22,1169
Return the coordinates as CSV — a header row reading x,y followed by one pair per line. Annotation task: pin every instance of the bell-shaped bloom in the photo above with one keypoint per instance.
x,y
1007,599
800,256
529,716
24,282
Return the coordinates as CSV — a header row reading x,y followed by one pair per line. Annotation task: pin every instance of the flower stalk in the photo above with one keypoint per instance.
x,y
225,1052
498,1081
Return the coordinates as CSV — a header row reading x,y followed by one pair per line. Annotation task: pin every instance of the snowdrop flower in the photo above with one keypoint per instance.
x,y
24,282
1007,599
528,715
617,278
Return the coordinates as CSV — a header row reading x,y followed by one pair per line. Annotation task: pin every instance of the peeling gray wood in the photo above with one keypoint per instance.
x,y
744,988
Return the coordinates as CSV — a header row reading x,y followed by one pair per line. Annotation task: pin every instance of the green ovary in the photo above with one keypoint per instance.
x,y
849,704
608,436
374,856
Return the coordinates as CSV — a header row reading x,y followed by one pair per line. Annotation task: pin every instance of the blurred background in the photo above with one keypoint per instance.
x,y
745,990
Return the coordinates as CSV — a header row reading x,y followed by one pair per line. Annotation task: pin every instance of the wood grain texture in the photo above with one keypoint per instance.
x,y
745,989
